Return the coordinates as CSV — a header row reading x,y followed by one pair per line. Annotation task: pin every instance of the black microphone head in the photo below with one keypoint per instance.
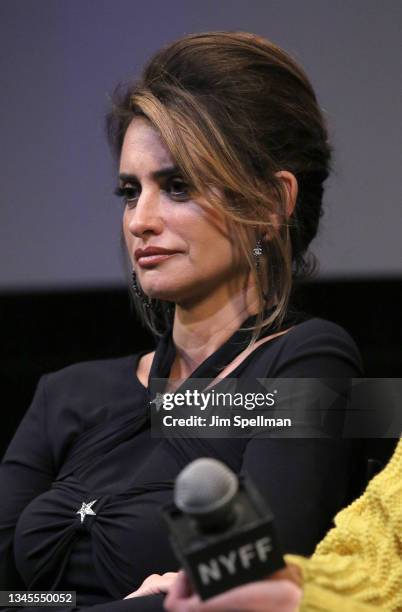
x,y
206,490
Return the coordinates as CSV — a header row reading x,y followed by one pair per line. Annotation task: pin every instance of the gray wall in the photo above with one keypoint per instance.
x,y
59,59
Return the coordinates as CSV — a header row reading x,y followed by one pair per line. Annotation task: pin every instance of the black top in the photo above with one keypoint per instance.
x,y
86,437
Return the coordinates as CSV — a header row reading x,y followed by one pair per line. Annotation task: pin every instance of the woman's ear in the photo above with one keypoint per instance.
x,y
291,190
290,184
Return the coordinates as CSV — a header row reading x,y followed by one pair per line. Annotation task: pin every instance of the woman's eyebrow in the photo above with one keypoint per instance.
x,y
158,174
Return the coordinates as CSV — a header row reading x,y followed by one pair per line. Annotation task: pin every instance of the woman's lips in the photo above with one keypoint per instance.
x,y
148,261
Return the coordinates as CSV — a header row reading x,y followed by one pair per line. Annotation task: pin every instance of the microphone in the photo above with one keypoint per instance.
x,y
221,528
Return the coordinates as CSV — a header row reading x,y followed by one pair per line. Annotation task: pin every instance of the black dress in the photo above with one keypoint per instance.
x,y
86,438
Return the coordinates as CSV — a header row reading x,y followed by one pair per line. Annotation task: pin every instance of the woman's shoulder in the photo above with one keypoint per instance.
x,y
316,331
104,378
318,341
85,394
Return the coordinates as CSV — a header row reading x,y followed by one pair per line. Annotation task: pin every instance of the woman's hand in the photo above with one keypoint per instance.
x,y
281,595
155,583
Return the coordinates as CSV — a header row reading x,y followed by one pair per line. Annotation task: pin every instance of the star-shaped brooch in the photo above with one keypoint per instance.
x,y
158,401
86,509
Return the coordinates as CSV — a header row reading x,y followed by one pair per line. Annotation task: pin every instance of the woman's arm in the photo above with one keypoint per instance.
x,y
25,472
306,481
360,559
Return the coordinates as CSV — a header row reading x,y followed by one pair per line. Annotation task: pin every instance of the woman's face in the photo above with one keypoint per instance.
x,y
203,261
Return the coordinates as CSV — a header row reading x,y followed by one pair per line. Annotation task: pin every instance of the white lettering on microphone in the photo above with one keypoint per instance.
x,y
229,562
209,571
246,553
235,560
263,547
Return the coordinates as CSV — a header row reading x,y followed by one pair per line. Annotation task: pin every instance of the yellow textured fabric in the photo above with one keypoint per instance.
x,y
358,565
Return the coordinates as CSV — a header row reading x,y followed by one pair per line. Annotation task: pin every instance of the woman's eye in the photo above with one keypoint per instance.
x,y
128,193
178,189
175,187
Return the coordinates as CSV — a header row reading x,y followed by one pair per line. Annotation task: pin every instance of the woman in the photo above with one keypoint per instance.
x,y
222,153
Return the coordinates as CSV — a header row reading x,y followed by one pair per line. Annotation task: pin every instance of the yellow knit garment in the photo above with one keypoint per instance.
x,y
358,565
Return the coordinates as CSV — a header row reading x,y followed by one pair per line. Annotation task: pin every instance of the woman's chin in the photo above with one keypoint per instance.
x,y
166,294
177,289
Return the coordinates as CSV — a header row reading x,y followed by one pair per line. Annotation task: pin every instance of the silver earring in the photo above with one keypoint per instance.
x,y
258,252
145,300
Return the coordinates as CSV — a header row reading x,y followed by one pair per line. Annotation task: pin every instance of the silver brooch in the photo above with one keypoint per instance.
x,y
86,509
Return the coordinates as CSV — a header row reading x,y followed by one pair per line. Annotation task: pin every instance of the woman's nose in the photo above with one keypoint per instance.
x,y
145,216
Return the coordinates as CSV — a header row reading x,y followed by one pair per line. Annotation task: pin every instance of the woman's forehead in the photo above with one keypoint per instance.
x,y
143,148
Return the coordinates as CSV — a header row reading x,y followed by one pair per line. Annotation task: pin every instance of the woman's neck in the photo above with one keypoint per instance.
x,y
199,330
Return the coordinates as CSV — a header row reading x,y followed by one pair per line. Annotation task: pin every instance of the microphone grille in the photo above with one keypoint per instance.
x,y
204,486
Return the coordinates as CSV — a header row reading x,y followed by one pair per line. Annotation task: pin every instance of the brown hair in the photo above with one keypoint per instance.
x,y
233,108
